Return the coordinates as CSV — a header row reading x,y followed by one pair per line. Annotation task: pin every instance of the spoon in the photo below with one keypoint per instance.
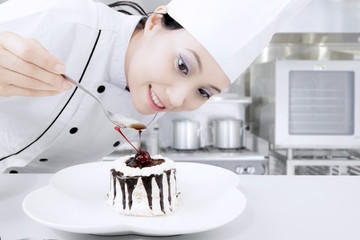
x,y
116,118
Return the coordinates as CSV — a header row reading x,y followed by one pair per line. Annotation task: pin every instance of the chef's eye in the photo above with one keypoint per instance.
x,y
203,93
182,66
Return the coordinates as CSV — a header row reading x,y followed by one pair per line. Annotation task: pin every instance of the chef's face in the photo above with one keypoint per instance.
x,y
168,70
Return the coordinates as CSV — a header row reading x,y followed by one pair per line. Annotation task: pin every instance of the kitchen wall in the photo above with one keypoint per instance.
x,y
326,16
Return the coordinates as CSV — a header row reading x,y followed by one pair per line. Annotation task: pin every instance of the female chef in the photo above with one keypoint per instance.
x,y
174,60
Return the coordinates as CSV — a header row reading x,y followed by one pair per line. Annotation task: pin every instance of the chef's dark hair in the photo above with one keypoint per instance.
x,y
167,21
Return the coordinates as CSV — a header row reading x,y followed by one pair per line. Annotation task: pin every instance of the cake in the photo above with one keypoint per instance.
x,y
143,186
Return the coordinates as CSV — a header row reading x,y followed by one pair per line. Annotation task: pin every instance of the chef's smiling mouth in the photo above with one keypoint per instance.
x,y
155,102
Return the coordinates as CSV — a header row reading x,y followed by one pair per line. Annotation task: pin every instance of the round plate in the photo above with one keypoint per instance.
x,y
75,201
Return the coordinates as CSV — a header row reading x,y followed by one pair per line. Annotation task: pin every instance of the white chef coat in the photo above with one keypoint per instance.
x,y
47,132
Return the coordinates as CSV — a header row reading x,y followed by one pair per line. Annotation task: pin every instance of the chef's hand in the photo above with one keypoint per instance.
x,y
28,69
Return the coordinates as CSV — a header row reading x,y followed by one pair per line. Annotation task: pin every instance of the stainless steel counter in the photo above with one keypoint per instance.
x,y
278,207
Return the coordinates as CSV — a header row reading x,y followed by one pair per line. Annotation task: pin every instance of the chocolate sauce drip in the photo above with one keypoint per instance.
x,y
177,194
131,182
168,172
119,176
122,186
159,179
175,174
131,162
113,172
148,188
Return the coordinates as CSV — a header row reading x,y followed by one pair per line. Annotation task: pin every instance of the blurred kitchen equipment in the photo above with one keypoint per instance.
x,y
186,134
311,46
227,106
307,104
228,133
116,118
304,88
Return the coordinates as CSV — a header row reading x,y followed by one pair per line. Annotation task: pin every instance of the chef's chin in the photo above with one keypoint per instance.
x,y
141,107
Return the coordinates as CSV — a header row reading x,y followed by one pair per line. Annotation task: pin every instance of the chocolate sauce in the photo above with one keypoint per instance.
x,y
168,182
140,140
117,175
131,182
159,179
138,126
132,162
148,188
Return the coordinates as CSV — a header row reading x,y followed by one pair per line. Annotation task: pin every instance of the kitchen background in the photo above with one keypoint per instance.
x,y
295,110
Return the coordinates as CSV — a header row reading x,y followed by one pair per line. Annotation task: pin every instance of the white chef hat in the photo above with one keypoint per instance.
x,y
234,32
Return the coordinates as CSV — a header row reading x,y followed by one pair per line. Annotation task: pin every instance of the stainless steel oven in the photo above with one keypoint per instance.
x,y
307,104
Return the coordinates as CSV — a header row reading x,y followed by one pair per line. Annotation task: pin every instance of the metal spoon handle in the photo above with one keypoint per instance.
x,y
117,119
88,92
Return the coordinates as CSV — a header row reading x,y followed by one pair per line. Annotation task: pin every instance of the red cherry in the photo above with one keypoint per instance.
x,y
142,156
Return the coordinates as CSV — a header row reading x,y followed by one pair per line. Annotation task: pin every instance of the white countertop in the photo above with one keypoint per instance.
x,y
278,207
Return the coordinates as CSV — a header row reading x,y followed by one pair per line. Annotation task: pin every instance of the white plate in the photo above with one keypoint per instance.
x,y
75,201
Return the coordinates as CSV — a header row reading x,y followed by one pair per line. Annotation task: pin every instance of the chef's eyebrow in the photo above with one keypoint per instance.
x,y
196,57
216,89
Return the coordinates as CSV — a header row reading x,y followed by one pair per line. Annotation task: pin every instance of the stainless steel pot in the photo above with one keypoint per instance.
x,y
228,133
186,135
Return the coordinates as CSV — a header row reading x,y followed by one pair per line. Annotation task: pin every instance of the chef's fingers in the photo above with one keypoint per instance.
x,y
31,52
36,42
12,62
11,90
9,77
65,82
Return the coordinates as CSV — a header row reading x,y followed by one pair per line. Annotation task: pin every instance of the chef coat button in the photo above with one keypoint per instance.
x,y
43,159
116,144
101,89
73,130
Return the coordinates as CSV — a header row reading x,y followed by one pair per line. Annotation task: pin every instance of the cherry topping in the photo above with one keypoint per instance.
x,y
142,156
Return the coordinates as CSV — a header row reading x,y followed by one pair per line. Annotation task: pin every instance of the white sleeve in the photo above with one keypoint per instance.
x,y
56,24
15,9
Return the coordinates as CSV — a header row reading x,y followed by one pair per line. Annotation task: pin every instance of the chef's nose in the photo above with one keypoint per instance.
x,y
176,95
